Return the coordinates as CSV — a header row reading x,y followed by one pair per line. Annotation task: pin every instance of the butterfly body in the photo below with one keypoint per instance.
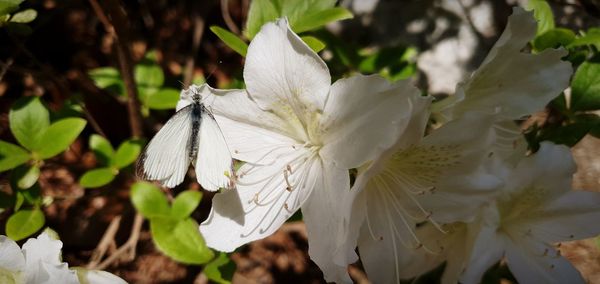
x,y
191,136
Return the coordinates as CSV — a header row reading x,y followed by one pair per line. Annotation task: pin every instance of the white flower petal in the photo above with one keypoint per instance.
x,y
387,235
365,115
512,82
488,249
12,258
322,214
573,216
549,172
252,135
281,69
510,144
538,263
48,273
450,245
43,248
98,277
261,202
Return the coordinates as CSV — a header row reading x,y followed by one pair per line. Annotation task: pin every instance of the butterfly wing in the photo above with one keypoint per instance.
x,y
166,157
214,166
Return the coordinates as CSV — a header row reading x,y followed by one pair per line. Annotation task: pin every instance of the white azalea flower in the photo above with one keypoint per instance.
x,y
535,210
39,262
510,84
417,180
87,276
445,178
43,262
298,135
12,261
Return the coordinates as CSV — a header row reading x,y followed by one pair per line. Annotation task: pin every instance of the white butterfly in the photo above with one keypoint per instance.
x,y
192,135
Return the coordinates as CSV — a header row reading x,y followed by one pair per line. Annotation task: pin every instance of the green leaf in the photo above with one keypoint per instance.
x,y
260,12
59,136
585,87
321,18
9,6
295,10
11,156
29,119
553,38
18,29
108,78
127,152
19,200
587,39
102,149
32,195
24,16
185,203
25,176
97,177
213,269
180,240
149,200
162,99
231,40
314,43
569,134
543,14
24,223
149,75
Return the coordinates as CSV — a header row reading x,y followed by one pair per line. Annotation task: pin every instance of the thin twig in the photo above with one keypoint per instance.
x,y
104,244
118,28
227,17
188,75
128,246
5,67
92,120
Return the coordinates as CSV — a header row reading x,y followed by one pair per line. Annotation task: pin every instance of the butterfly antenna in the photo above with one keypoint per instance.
x,y
214,69
183,86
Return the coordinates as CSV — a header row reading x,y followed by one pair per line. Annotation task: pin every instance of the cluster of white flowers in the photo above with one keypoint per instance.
x,y
465,194
39,262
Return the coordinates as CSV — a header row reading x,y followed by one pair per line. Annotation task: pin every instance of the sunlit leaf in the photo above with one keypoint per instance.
x,y
180,240
24,223
321,18
11,156
24,16
105,77
59,136
26,176
162,99
542,12
29,119
9,6
126,154
185,203
149,74
102,149
97,177
220,269
260,12
231,40
149,200
314,43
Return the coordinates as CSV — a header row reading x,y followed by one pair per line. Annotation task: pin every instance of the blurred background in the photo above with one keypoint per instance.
x,y
73,54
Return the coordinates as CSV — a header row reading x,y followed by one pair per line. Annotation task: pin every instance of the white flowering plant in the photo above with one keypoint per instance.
x,y
404,185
